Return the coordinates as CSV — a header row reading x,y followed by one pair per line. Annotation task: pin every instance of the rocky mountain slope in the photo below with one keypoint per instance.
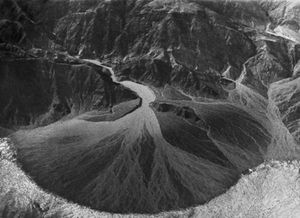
x,y
168,42
200,92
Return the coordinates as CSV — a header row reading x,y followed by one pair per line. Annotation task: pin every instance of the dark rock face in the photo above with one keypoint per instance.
x,y
38,91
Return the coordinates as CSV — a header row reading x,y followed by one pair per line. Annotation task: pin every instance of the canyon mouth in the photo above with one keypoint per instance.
x,y
150,160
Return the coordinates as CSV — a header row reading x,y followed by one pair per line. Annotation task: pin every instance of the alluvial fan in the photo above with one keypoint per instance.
x,y
147,106
154,159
